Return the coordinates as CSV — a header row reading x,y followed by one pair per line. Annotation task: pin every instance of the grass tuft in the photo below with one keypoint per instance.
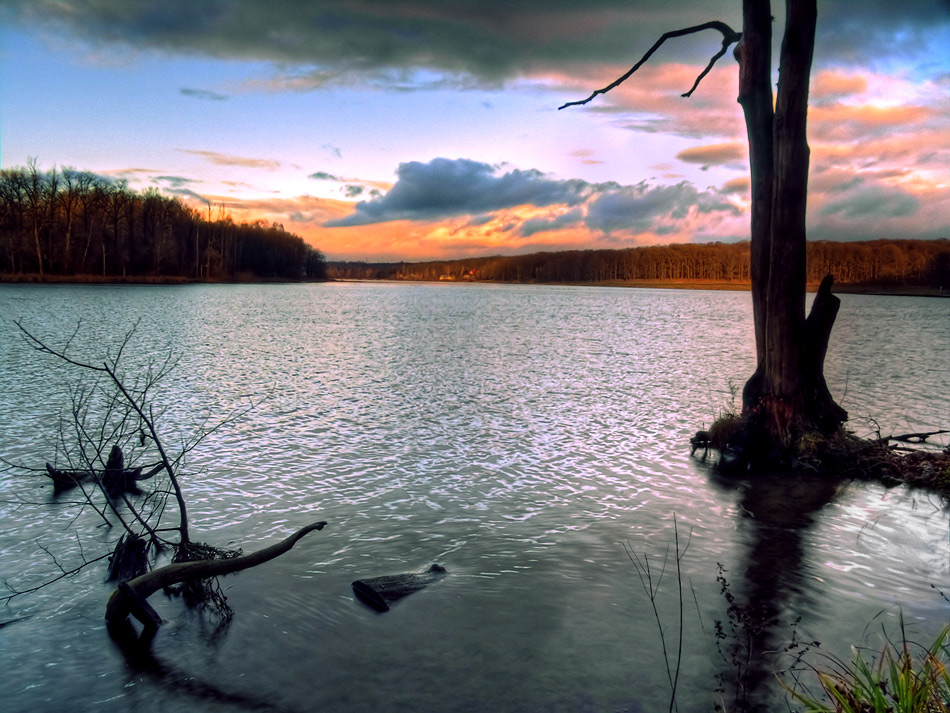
x,y
896,682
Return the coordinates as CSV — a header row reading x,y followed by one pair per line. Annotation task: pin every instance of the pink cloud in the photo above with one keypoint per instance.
x,y
849,122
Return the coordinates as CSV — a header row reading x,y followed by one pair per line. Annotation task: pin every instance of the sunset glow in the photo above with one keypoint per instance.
x,y
418,130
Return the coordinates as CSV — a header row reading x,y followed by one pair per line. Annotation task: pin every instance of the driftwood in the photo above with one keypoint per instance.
x,y
130,598
380,592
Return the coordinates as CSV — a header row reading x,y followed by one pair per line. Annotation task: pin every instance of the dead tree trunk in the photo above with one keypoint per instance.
x,y
787,395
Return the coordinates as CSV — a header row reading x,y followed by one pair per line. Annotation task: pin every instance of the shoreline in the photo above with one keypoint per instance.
x,y
34,279
715,285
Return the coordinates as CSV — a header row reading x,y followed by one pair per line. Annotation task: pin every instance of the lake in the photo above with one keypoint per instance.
x,y
525,437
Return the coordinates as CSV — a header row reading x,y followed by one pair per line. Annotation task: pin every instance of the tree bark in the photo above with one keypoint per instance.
x,y
787,394
754,54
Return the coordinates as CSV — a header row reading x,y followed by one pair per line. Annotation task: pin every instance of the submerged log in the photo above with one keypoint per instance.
x,y
125,478
916,437
66,479
380,592
128,597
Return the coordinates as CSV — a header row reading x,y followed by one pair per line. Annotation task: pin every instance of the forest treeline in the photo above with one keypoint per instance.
x,y
75,223
878,262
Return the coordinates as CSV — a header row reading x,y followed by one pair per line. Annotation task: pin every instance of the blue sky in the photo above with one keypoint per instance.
x,y
427,129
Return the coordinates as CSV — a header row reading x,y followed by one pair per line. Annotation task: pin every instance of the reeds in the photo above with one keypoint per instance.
x,y
898,681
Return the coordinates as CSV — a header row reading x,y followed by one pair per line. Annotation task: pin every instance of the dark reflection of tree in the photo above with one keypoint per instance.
x,y
142,661
776,514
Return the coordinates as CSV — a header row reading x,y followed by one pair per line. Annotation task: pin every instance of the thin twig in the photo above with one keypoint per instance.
x,y
651,588
69,573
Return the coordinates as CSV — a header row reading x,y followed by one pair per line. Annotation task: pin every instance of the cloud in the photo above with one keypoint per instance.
x,y
849,122
740,186
879,29
638,208
570,219
128,174
652,102
203,94
490,40
445,187
229,160
886,203
836,84
715,154
176,181
300,213
475,203
870,201
186,193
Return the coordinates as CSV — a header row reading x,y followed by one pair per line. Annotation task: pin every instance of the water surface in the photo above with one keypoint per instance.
x,y
518,435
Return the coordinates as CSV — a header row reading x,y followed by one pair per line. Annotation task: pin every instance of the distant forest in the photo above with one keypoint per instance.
x,y
75,223
880,262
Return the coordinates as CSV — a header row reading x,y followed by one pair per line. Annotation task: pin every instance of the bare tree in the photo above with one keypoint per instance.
x,y
35,192
787,395
109,442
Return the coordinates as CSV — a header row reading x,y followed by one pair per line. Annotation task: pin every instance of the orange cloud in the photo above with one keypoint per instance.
x,y
834,84
298,214
229,160
837,122
739,186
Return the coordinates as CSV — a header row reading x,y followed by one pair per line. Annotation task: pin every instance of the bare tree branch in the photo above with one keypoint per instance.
x,y
65,573
729,36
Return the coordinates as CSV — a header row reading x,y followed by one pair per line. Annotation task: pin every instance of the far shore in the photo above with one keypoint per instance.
x,y
35,279
724,285
742,286
719,285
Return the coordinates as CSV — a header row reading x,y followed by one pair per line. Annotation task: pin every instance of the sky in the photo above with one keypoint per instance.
x,y
382,130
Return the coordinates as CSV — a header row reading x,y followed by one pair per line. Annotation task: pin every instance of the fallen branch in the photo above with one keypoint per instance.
x,y
380,592
129,597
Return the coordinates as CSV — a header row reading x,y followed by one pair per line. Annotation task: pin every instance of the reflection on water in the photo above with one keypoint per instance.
x,y
517,435
771,581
